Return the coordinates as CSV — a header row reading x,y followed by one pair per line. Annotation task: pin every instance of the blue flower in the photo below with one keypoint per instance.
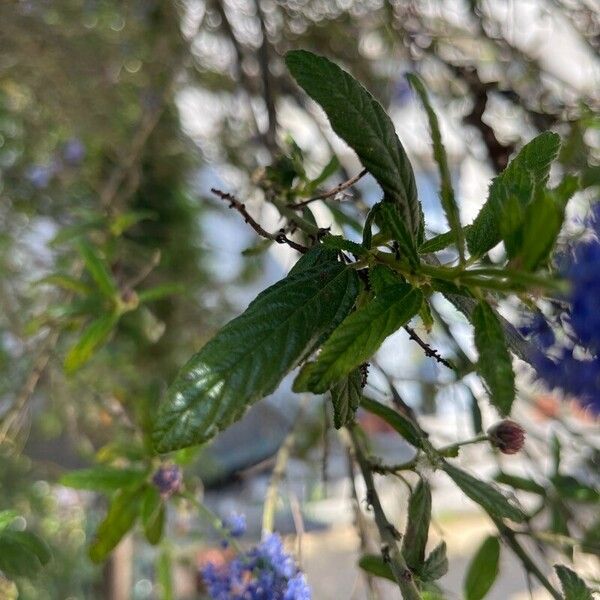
x,y
572,363
265,572
235,524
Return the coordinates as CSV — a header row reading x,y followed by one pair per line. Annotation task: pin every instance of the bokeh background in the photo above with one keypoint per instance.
x,y
116,119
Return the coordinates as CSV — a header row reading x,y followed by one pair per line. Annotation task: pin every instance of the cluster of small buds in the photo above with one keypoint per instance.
x,y
168,479
265,572
507,436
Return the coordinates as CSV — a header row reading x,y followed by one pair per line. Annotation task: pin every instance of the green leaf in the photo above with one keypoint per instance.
x,y
102,479
6,518
250,356
153,515
482,493
542,223
483,569
91,339
390,221
367,230
520,483
126,220
345,397
436,564
22,554
359,336
363,124
536,158
375,565
476,418
404,426
328,170
381,277
573,489
574,588
494,365
439,153
440,241
122,514
98,269
590,542
66,282
417,525
337,242
161,291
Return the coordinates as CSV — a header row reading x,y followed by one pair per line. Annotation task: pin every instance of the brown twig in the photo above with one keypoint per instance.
x,y
336,190
429,351
278,237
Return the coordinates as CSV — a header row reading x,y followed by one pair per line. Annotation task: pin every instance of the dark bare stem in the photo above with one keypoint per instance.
x,y
336,190
389,535
429,351
278,237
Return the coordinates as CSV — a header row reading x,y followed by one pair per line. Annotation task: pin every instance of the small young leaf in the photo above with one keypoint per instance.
x,y
535,157
439,153
390,220
328,170
375,565
400,423
483,569
160,291
102,479
436,564
417,525
574,588
153,514
520,483
359,336
122,514
98,269
345,397
494,363
363,124
91,339
482,493
66,282
250,356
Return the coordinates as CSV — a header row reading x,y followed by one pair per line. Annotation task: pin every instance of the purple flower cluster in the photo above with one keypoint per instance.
x,y
573,361
168,479
235,524
266,572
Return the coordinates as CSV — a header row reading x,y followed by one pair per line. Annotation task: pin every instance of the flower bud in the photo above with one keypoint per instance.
x,y
168,479
507,436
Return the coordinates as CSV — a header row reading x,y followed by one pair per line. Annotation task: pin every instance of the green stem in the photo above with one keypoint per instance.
x,y
391,552
452,449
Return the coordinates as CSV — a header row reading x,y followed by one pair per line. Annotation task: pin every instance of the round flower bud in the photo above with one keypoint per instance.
x,y
507,436
168,479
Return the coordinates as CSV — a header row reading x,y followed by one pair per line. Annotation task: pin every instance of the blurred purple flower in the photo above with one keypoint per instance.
x,y
235,524
41,175
573,363
266,572
73,152
168,479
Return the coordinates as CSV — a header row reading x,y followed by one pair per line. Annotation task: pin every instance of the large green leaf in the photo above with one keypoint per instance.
x,y
102,479
536,158
483,569
122,514
417,525
6,518
439,153
574,588
401,424
363,124
22,553
359,337
250,356
345,397
494,363
488,497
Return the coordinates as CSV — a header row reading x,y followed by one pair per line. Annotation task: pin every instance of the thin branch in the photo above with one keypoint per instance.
x,y
429,351
336,190
390,550
278,237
